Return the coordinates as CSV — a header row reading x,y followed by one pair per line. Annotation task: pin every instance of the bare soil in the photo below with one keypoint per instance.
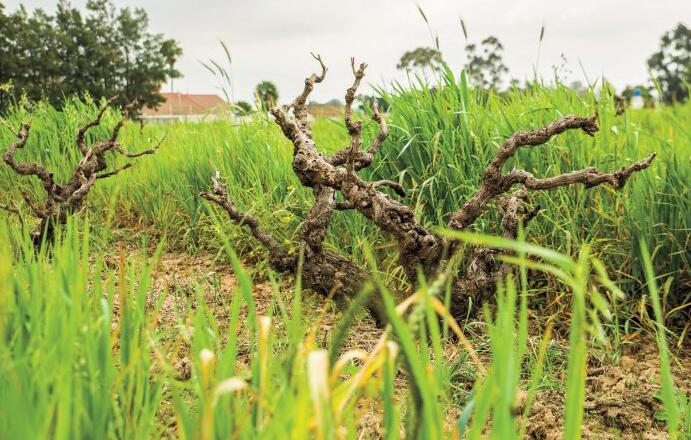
x,y
621,398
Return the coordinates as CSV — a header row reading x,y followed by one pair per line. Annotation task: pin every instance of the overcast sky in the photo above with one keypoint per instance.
x,y
271,39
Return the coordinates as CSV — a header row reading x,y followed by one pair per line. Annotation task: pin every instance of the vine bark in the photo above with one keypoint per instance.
x,y
420,251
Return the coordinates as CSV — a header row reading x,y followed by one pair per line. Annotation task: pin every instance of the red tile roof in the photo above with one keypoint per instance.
x,y
183,104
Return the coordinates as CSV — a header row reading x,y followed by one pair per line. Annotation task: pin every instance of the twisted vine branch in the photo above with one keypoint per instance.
x,y
419,249
62,200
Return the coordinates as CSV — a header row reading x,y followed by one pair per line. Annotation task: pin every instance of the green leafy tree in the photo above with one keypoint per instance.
x,y
148,59
485,64
104,51
267,94
34,60
243,108
671,65
367,103
420,58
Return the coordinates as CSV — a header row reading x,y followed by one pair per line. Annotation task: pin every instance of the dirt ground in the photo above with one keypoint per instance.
x,y
620,401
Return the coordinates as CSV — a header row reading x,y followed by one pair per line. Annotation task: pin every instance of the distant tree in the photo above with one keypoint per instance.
x,y
243,108
515,83
367,103
485,65
671,65
27,52
420,58
267,95
104,51
578,87
148,59
334,102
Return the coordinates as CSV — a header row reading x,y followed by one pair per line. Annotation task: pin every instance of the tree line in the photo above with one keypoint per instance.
x,y
669,67
104,51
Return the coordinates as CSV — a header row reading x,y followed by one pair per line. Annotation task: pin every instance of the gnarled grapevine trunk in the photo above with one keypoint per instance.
x,y
420,251
325,272
62,200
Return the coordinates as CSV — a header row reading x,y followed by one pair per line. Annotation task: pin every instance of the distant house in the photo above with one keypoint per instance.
x,y
184,107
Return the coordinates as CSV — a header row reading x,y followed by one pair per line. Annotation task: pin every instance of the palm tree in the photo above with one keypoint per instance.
x,y
266,94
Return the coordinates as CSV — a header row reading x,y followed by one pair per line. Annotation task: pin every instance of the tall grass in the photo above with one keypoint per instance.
x,y
497,393
62,376
669,395
441,138
85,355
